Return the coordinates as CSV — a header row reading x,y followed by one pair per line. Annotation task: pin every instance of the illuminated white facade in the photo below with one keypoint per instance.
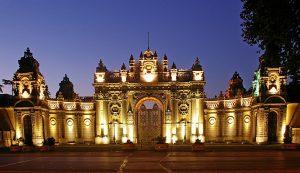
x,y
181,113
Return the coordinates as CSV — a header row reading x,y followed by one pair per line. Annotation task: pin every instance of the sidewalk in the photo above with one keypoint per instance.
x,y
177,147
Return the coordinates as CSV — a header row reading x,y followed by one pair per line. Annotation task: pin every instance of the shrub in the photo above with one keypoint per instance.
x,y
49,141
128,141
160,140
287,135
198,141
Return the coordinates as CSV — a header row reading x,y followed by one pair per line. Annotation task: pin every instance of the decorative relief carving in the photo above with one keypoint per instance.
x,y
246,102
230,120
87,106
212,120
53,104
130,118
140,95
53,121
102,96
168,117
115,109
183,109
69,106
247,119
87,122
212,104
230,103
70,121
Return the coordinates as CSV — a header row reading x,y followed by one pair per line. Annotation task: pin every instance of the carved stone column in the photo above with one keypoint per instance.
x,y
174,115
37,128
124,116
201,120
101,120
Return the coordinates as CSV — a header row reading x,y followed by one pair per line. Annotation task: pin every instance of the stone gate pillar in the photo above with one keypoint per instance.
x,y
101,122
174,116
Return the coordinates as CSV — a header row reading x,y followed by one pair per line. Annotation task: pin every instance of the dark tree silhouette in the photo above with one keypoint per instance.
x,y
1,86
275,27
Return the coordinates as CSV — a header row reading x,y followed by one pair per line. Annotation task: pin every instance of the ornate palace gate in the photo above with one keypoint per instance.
x,y
120,94
149,123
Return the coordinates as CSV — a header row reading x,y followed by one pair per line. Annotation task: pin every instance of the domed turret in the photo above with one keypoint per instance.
x,y
235,88
66,89
28,64
148,54
196,66
101,67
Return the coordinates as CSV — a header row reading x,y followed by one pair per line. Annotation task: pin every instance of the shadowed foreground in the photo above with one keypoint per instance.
x,y
151,161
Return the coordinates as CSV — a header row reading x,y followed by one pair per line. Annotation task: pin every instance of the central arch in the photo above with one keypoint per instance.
x,y
149,121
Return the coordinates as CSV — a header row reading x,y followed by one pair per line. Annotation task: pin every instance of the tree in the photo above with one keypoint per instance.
x,y
275,27
1,86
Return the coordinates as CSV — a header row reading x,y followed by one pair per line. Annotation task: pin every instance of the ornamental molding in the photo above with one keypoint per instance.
x,y
212,104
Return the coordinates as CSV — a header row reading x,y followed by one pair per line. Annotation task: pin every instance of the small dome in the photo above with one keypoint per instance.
x,y
196,66
148,53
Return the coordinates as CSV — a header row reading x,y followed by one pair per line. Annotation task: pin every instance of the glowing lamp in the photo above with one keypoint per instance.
x,y
149,77
87,122
25,95
100,77
273,90
69,122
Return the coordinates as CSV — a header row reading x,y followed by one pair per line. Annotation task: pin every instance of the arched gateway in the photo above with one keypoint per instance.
x,y
119,95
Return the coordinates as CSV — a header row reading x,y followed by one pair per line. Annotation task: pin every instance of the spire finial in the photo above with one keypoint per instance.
x,y
148,41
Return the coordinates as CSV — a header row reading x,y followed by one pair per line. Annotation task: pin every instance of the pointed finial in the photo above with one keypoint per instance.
x,y
148,41
27,53
173,66
66,78
131,57
165,57
101,67
123,67
141,55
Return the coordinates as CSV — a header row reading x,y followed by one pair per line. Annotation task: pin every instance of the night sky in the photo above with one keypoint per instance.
x,y
70,36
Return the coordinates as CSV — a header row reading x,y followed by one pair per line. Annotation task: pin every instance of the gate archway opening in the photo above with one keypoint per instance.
x,y
27,130
149,119
272,127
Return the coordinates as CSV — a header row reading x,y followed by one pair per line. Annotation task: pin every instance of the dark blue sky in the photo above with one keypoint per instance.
x,y
69,37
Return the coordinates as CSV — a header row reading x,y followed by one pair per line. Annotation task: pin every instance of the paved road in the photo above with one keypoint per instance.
x,y
151,161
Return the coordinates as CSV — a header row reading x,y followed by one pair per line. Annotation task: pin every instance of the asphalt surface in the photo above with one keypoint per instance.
x,y
152,161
